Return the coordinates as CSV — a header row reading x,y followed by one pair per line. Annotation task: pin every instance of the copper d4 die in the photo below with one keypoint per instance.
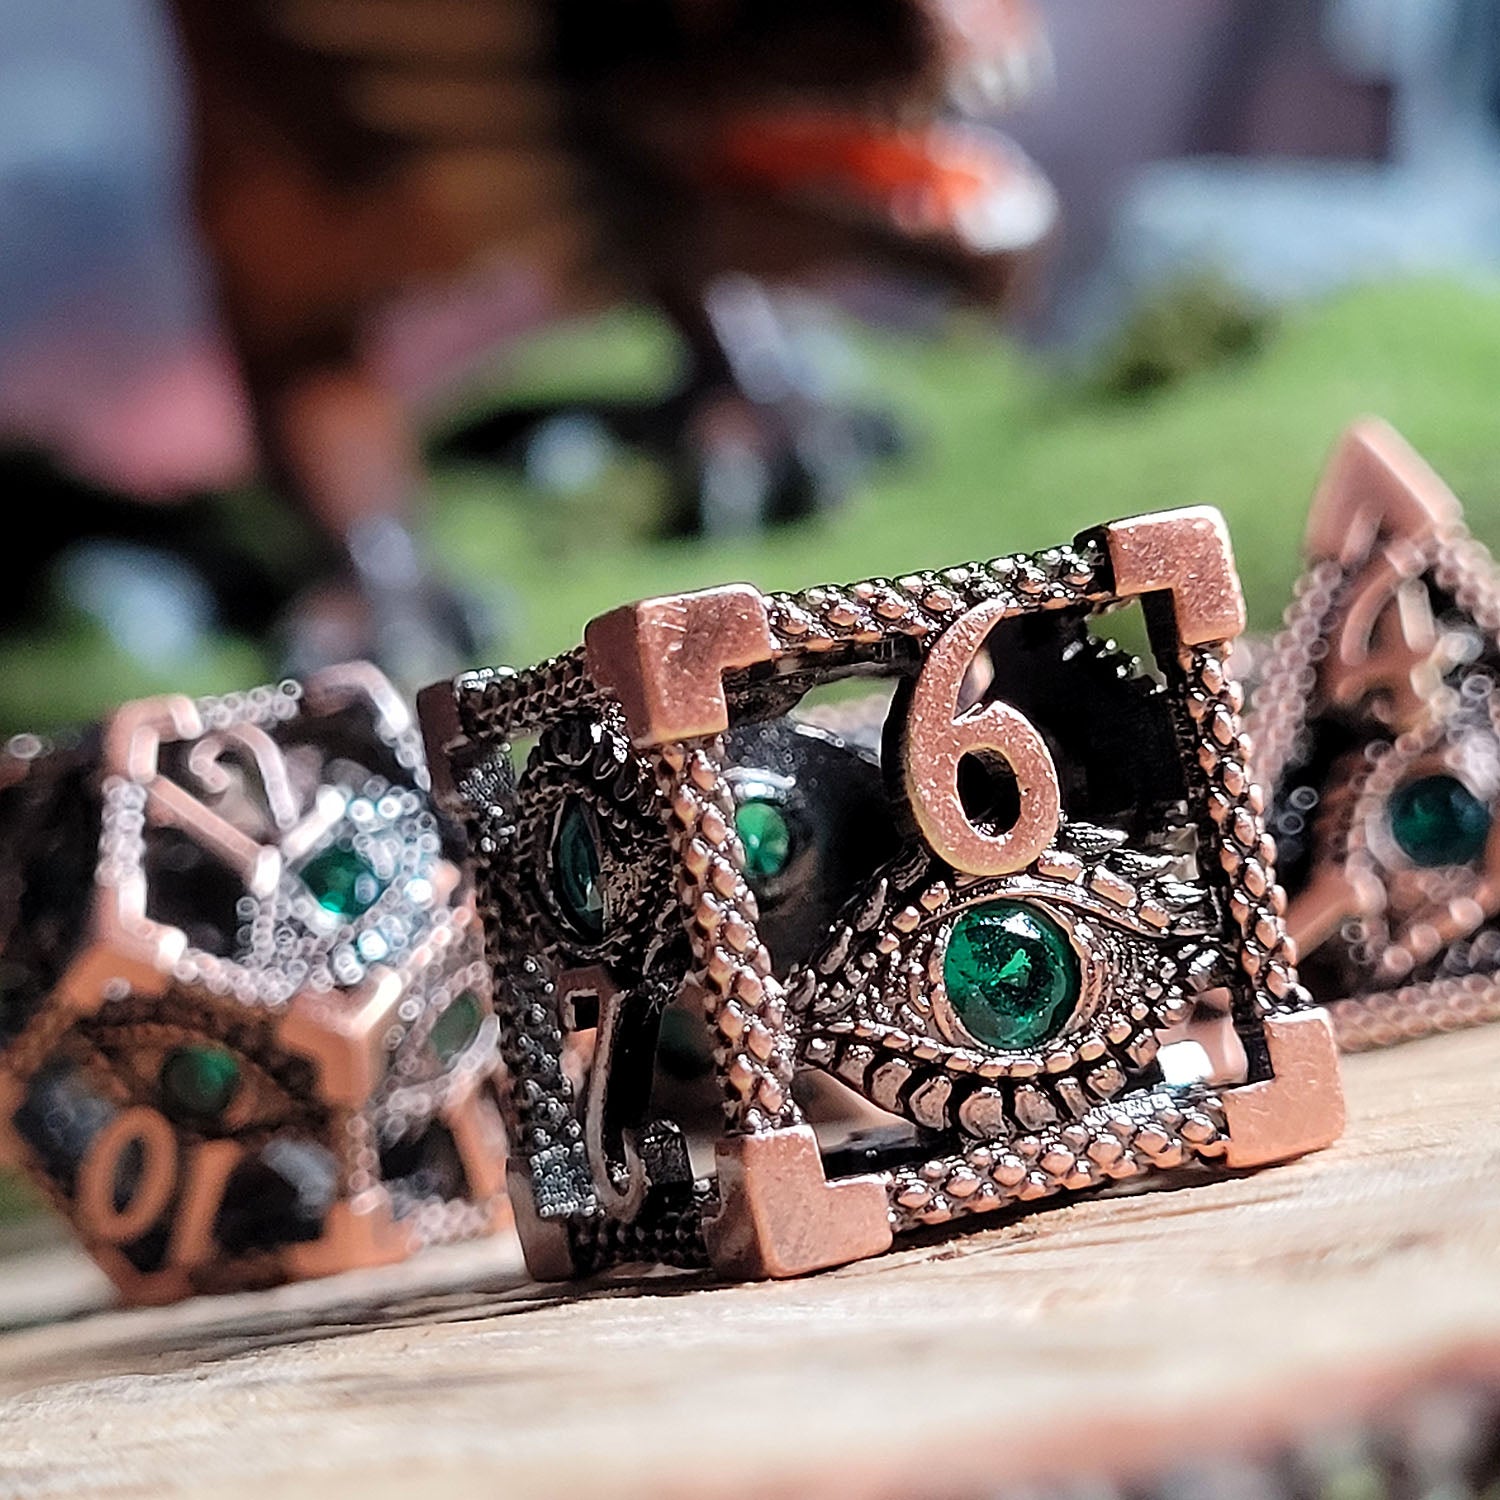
x,y
1076,852
245,1025
1378,721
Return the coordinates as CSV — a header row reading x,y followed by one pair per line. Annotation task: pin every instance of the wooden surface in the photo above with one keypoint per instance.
x,y
1106,1336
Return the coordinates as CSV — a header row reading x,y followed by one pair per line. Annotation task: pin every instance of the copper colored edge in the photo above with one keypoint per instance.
x,y
664,659
347,682
780,1216
544,1241
357,1233
1301,1107
437,713
343,1035
1375,481
134,734
1186,553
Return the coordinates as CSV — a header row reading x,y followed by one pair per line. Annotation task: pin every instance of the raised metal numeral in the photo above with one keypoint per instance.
x,y
197,1182
940,734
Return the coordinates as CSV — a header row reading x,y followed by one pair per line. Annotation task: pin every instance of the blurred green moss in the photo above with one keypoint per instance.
x,y
17,1198
1192,324
1015,454
1010,453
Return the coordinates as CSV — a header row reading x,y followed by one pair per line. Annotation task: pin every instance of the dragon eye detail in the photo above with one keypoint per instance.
x,y
1010,973
1437,820
578,866
589,851
769,839
1014,1001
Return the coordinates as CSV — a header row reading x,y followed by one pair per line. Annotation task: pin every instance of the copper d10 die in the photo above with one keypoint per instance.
x,y
245,1025
1076,853
1377,722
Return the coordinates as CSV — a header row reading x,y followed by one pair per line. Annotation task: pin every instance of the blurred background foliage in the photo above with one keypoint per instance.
x,y
1203,396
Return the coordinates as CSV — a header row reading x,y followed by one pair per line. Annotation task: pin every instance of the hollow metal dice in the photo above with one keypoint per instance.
x,y
1378,721
245,1026
1063,850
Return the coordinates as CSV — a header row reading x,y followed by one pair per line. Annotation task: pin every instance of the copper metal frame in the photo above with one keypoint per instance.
x,y
340,1064
1391,646
657,685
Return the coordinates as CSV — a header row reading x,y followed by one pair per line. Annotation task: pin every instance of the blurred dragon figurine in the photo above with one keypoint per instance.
x,y
655,150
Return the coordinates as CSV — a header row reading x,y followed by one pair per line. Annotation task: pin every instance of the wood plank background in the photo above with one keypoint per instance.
x,y
1108,1337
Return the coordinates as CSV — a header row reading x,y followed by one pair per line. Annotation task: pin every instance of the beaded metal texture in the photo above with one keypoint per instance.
x,y
1065,851
1378,720
245,1022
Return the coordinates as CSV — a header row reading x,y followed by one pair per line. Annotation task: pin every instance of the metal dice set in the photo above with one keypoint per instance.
x,y
930,856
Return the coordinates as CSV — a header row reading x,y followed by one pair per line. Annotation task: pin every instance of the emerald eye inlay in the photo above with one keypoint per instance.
x,y
199,1082
454,1031
1437,820
767,837
1011,973
578,872
342,882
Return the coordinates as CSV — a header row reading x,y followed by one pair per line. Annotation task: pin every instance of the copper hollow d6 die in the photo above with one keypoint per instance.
x,y
245,1023
1376,719
979,905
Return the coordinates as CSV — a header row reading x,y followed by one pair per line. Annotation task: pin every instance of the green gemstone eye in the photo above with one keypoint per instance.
x,y
454,1031
1011,973
199,1082
767,837
578,875
1437,820
342,883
